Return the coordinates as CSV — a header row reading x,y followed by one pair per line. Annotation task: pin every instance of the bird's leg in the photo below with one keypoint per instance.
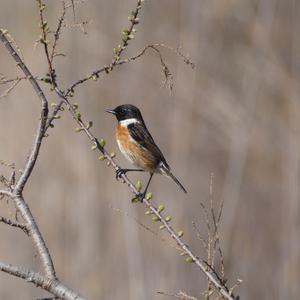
x,y
120,172
142,195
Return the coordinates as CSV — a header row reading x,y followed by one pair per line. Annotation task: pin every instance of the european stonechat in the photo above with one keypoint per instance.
x,y
137,144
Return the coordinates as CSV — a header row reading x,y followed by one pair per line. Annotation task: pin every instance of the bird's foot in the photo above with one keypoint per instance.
x,y
120,172
139,197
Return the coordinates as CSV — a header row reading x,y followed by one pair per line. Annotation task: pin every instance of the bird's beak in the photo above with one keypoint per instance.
x,y
111,111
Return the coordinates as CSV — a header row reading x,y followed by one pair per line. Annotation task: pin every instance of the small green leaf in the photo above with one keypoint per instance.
x,y
139,186
180,233
89,124
102,142
94,77
189,260
155,219
168,219
161,208
135,199
77,116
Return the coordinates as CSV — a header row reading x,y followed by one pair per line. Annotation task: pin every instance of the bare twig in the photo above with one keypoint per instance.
x,y
142,225
58,29
14,224
6,193
180,295
53,286
17,192
7,91
128,34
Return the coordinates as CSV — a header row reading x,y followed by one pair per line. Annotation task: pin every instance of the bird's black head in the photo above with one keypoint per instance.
x,y
126,111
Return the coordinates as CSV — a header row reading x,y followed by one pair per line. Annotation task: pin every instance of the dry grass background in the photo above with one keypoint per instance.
x,y
236,115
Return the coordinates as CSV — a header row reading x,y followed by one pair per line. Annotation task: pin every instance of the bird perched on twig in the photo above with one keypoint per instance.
x,y
138,146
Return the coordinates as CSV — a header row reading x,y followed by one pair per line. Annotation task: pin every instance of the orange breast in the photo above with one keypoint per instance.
x,y
136,154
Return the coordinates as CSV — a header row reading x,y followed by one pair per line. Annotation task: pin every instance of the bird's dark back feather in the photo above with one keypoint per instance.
x,y
140,133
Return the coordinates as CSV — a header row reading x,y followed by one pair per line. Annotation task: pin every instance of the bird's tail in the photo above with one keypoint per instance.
x,y
166,171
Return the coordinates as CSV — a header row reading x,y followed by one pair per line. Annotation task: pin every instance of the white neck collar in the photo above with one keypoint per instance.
x,y
128,121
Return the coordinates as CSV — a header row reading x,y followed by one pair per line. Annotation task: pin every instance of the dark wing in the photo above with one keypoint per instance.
x,y
140,134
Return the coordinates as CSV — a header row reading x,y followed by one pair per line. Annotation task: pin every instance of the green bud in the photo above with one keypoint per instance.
x,y
168,219
189,260
94,77
183,254
135,200
113,154
180,233
78,129
102,142
161,208
53,104
102,157
148,212
149,196
161,227
155,219
77,116
94,147
89,124
139,186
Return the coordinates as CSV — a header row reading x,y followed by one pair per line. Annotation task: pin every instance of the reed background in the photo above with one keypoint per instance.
x,y
236,115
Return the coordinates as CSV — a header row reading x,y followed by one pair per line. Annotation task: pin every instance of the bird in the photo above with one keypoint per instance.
x,y
137,145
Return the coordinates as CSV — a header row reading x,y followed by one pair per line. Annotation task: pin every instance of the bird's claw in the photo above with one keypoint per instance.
x,y
119,173
138,198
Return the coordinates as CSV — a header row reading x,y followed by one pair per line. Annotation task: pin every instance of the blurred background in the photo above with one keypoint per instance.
x,y
235,115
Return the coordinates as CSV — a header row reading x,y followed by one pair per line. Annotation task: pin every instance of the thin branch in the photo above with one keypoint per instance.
x,y
180,295
14,224
58,30
44,113
7,91
6,193
19,200
36,236
53,286
128,34
107,68
211,275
